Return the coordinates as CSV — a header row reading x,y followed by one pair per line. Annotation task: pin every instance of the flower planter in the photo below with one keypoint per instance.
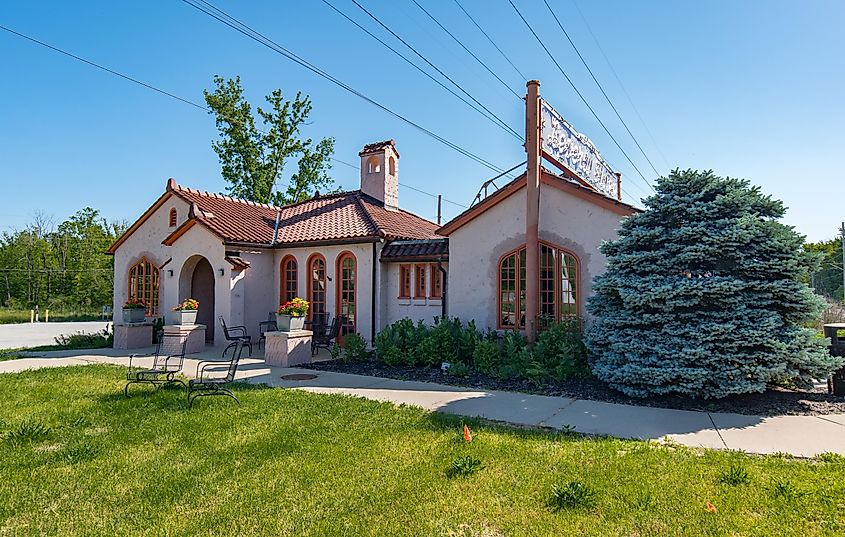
x,y
185,317
134,315
286,323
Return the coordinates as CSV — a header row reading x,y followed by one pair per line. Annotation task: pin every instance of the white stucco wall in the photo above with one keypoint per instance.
x,y
146,241
363,255
475,249
396,308
255,289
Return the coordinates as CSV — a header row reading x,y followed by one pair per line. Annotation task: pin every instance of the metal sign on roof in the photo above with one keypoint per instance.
x,y
570,148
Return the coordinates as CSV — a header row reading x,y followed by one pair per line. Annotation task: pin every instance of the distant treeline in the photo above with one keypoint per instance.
x,y
827,276
59,267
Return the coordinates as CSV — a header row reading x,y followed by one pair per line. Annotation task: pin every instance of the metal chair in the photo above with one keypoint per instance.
x,y
324,339
205,385
167,361
267,326
233,335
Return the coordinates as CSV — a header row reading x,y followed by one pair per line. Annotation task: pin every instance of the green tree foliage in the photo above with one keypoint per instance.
x,y
253,161
62,267
826,277
703,295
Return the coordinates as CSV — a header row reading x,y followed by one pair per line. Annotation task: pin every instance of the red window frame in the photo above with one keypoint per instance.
x,y
317,286
436,282
144,284
404,281
346,291
420,283
288,282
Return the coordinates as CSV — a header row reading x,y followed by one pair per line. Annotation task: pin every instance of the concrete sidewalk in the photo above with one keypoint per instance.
x,y
803,436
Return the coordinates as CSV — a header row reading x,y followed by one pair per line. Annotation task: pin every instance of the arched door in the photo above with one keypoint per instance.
x,y
346,289
202,289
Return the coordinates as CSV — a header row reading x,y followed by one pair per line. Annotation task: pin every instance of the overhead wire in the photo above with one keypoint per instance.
x,y
490,39
580,95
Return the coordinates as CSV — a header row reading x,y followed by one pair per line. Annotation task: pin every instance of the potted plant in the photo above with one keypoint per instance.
x,y
134,311
186,312
291,315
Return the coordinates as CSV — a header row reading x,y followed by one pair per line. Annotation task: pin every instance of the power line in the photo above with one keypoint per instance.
x,y
135,81
578,52
471,53
444,75
244,29
490,39
415,66
554,60
621,85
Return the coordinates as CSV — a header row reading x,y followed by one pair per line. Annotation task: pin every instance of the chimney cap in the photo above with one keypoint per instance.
x,y
377,146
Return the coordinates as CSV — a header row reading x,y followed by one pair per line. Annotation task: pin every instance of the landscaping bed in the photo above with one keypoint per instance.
x,y
774,402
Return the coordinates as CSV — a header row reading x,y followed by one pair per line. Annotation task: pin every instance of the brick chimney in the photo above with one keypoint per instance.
x,y
380,172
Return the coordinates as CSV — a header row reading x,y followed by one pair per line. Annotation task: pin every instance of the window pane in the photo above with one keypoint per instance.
x,y
568,285
547,285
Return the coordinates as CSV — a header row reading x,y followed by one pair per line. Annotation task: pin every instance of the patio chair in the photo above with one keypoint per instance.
x,y
233,335
267,326
206,385
167,361
324,339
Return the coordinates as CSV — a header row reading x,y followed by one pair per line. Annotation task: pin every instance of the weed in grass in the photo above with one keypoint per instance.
x,y
830,457
572,495
463,466
784,489
30,432
83,451
735,475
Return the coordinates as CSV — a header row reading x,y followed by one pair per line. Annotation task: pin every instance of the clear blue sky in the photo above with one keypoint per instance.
x,y
750,89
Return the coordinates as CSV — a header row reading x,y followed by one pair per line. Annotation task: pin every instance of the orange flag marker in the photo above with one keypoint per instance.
x,y
467,434
710,508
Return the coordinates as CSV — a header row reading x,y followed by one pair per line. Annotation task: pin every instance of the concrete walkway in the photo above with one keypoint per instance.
x,y
803,436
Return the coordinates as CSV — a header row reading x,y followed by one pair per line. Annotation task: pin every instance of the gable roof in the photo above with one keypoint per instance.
x,y
568,185
340,217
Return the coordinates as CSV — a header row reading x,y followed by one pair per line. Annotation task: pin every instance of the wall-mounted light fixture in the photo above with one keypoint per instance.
x,y
170,272
222,272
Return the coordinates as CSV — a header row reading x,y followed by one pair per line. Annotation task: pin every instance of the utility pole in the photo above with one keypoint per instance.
x,y
439,207
532,213
842,235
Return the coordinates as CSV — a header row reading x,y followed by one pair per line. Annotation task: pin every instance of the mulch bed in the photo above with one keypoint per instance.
x,y
774,402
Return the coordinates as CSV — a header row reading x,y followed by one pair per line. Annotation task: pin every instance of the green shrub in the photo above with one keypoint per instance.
x,y
458,369
487,357
102,339
463,466
398,342
355,348
572,495
560,352
784,489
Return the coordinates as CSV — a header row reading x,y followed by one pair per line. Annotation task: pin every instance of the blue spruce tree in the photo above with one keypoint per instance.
x,y
703,295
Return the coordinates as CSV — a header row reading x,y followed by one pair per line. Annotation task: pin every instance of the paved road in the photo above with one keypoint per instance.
x,y
803,436
34,334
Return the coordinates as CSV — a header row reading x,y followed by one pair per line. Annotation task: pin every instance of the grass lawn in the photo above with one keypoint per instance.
x,y
10,316
77,458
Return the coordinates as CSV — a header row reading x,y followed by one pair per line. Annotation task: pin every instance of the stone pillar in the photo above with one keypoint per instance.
x,y
287,349
133,336
194,333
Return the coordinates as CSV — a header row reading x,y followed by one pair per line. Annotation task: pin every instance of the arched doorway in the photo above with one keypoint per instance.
x,y
197,281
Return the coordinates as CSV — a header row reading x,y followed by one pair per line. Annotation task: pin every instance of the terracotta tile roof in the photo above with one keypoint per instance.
x,y
420,250
334,217
375,146
237,263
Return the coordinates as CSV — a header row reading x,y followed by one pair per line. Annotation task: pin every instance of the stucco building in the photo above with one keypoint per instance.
x,y
358,254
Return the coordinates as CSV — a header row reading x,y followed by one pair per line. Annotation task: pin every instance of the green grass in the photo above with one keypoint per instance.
x,y
77,458
11,316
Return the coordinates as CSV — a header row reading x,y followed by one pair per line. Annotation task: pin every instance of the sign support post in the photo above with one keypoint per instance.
x,y
533,147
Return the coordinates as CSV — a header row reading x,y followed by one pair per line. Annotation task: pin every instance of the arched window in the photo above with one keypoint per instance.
x,y
373,165
346,288
144,284
173,217
317,288
558,294
392,167
288,285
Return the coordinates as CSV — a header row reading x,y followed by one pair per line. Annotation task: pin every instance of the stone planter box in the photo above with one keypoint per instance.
x,y
287,349
134,315
289,323
185,317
